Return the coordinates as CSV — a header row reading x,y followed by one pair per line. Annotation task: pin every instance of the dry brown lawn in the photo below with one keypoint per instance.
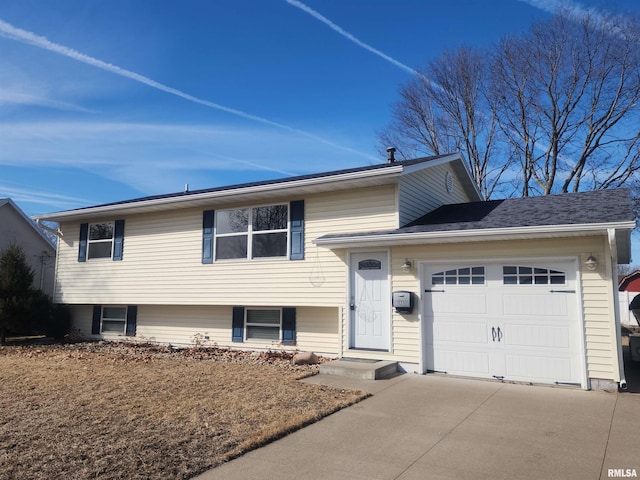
x,y
131,412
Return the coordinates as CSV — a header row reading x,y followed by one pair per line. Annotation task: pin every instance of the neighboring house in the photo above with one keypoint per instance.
x,y
520,289
17,228
630,283
629,288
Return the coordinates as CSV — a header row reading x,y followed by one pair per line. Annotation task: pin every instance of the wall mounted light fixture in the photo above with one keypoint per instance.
x,y
407,265
591,262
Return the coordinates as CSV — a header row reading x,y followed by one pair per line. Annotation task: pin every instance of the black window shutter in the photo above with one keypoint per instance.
x,y
207,236
95,323
118,240
296,216
82,249
132,319
237,324
289,326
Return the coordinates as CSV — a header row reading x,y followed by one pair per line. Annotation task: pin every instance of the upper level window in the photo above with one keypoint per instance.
x,y
100,243
101,240
258,232
521,275
459,276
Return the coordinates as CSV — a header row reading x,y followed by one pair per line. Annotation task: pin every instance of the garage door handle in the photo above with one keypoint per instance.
x,y
429,291
562,291
493,333
499,334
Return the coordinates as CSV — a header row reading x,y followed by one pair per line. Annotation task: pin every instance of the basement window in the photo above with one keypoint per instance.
x,y
113,320
263,324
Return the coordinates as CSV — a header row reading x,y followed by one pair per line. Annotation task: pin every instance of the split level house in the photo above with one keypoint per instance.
x,y
400,261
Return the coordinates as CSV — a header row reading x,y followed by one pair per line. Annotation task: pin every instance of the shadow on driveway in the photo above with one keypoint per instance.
x,y
631,368
631,371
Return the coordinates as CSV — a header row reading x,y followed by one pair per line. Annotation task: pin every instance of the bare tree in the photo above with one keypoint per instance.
x,y
628,269
567,94
553,110
446,109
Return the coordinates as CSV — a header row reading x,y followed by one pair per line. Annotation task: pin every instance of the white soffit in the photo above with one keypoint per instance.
x,y
489,234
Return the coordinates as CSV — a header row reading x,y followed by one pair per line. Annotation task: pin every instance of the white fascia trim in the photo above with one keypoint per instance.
x,y
186,199
432,163
469,235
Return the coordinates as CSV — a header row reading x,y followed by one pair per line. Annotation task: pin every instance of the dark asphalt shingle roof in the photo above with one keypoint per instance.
x,y
282,181
601,206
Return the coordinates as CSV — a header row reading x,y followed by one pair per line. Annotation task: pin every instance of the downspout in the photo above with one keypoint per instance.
x,y
613,249
56,232
341,330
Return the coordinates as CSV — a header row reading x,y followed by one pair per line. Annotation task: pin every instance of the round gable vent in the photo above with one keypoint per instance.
x,y
448,181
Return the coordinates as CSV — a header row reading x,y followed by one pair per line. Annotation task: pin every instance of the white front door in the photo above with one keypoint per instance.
x,y
509,320
370,301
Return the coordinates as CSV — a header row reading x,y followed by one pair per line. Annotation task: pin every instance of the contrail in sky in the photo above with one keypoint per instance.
x,y
14,33
349,36
578,12
552,6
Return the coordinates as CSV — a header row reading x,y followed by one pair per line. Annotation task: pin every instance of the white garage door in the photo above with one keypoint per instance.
x,y
510,320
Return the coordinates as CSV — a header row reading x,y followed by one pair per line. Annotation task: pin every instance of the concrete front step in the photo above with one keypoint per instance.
x,y
360,368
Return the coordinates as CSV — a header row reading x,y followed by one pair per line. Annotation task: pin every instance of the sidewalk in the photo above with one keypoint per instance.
x,y
422,427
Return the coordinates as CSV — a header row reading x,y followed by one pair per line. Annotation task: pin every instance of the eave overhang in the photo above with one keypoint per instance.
x,y
266,191
398,237
234,195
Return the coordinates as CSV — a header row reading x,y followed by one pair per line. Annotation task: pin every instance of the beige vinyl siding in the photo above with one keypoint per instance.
x,y
81,318
162,259
598,311
316,328
602,359
405,327
425,190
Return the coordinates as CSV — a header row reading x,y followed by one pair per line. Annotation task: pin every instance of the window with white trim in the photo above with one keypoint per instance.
x,y
249,233
100,240
113,320
459,276
263,324
525,275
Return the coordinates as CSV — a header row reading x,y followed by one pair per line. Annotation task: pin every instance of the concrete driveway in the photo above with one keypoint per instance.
x,y
422,427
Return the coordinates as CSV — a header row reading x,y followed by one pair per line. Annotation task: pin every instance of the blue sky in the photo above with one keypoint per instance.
x,y
103,101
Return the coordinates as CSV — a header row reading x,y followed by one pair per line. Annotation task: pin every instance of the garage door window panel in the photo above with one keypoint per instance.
x,y
525,275
460,276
